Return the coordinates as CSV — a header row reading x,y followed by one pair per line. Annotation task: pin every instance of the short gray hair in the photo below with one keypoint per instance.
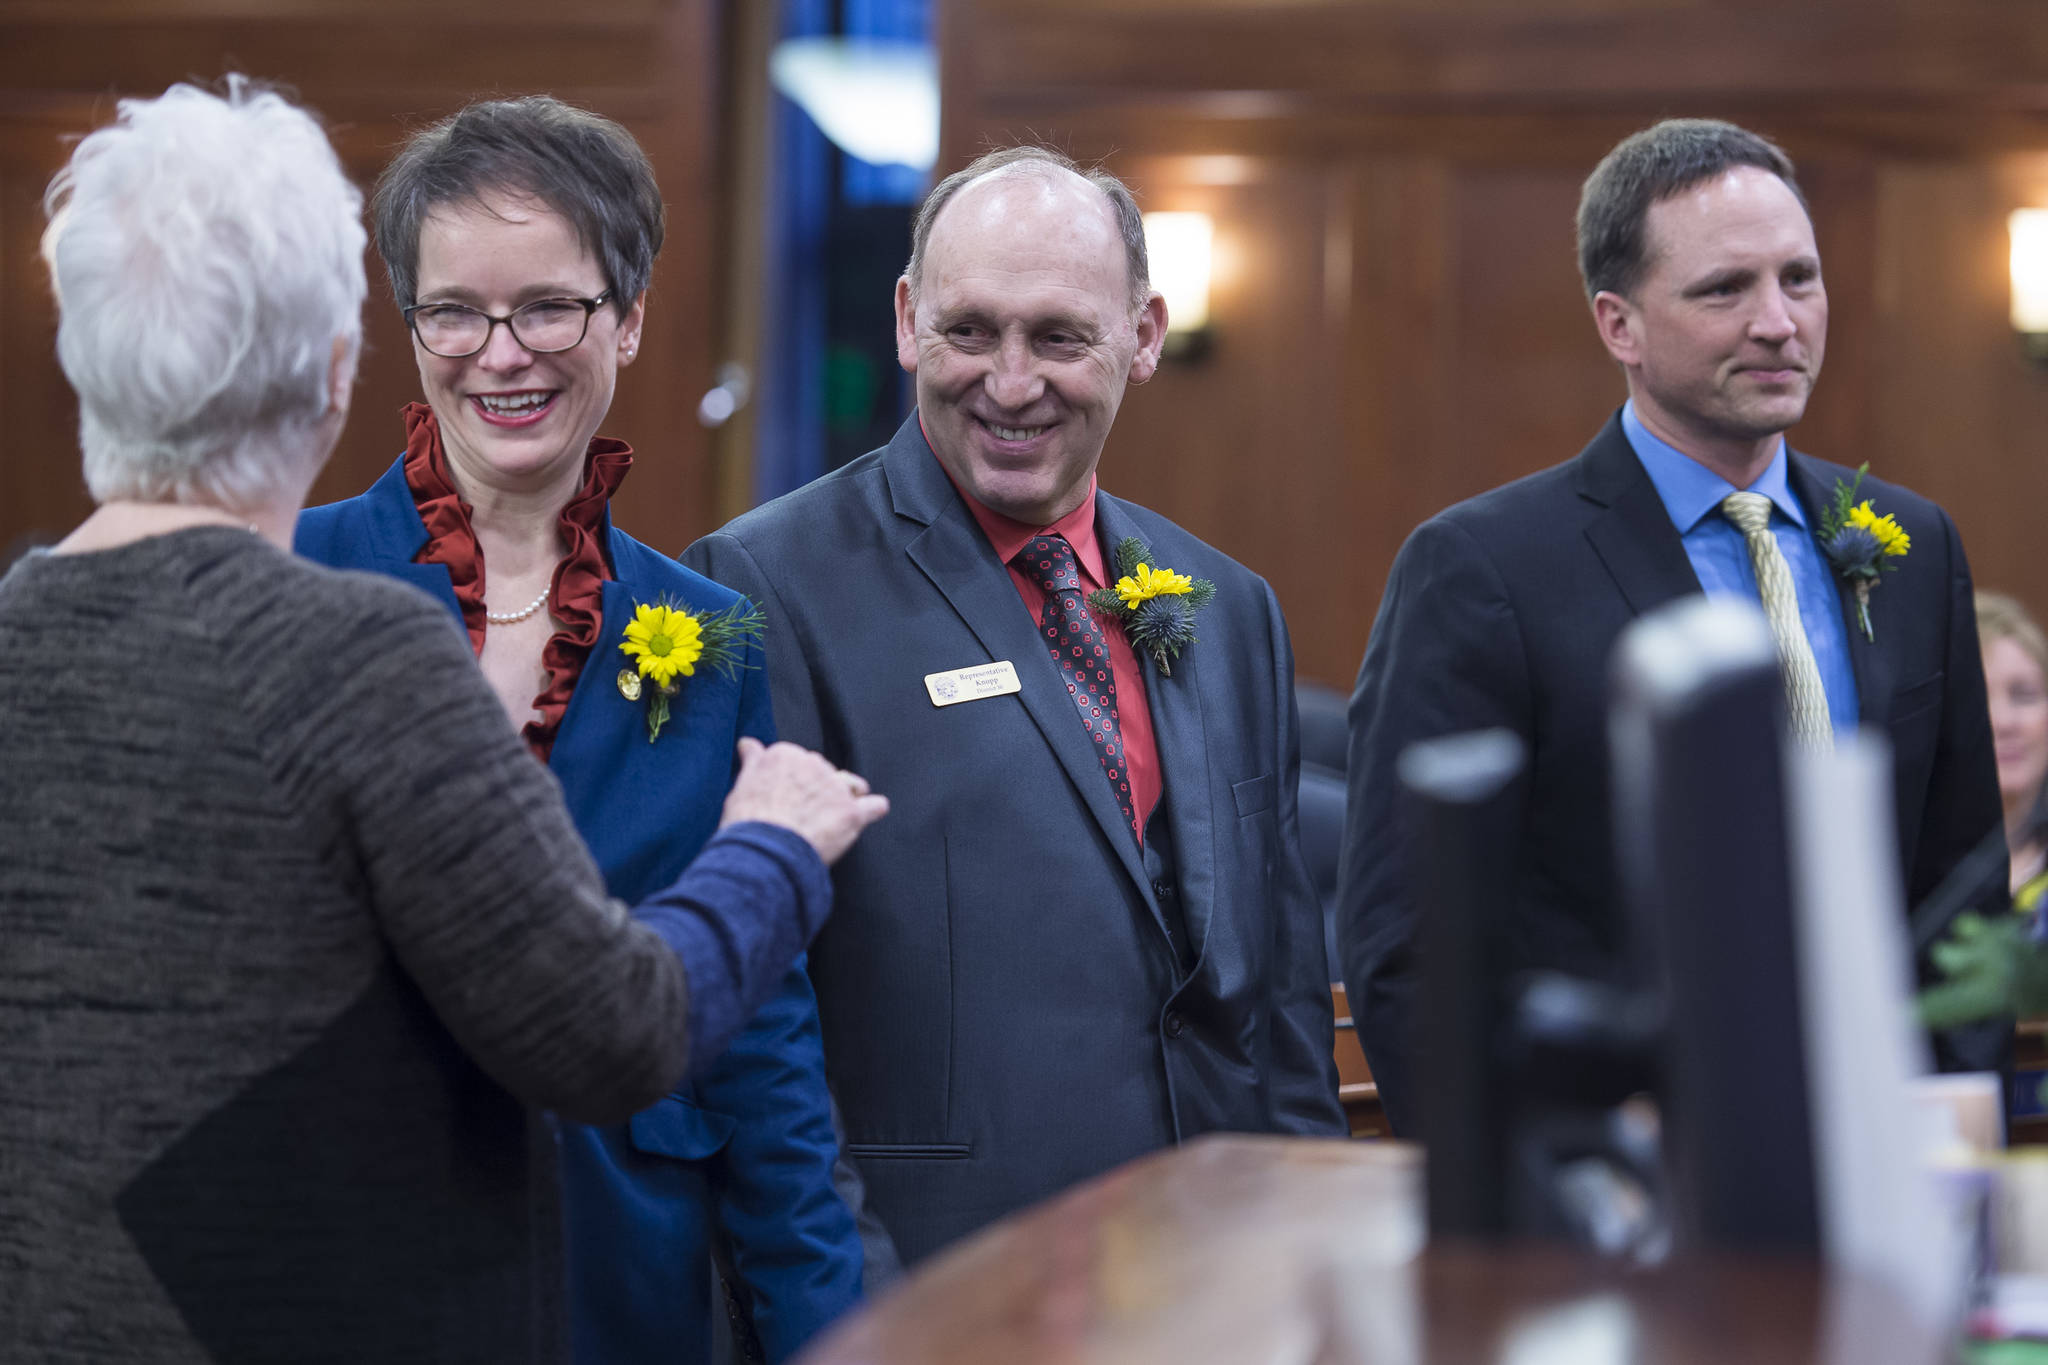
x,y
206,250
1647,168
582,165
1130,223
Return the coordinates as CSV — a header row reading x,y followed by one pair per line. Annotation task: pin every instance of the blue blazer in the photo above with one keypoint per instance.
x,y
747,1148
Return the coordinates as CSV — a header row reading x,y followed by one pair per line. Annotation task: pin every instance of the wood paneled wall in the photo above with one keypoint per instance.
x,y
376,69
1397,315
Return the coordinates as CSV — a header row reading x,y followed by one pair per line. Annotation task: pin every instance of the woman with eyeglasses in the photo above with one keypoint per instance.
x,y
519,236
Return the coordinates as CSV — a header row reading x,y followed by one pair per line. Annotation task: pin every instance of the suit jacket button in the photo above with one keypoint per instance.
x,y
1175,1026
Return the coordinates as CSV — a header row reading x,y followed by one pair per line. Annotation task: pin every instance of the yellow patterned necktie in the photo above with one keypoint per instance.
x,y
1805,698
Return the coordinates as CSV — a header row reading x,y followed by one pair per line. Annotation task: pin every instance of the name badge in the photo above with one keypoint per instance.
x,y
972,684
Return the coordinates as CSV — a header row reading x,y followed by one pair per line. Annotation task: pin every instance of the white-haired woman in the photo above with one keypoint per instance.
x,y
290,922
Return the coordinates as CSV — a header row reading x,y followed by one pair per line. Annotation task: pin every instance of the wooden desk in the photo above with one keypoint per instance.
x,y
1277,1251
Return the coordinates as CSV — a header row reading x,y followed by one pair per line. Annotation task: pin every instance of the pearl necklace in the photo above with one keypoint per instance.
x,y
511,618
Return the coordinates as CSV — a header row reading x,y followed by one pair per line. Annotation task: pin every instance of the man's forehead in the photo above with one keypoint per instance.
x,y
1027,198
1744,211
1031,233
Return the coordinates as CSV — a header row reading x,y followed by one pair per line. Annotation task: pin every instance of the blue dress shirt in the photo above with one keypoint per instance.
x,y
1719,553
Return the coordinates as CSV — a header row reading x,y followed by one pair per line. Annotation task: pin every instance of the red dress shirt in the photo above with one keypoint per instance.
x,y
1134,709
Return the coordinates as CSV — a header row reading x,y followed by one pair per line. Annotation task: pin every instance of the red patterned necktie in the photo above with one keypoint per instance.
x,y
1081,650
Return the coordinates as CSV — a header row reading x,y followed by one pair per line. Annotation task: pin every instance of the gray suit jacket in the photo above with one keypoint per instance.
x,y
1004,1014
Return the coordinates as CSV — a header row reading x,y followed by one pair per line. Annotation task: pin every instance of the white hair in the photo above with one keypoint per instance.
x,y
206,252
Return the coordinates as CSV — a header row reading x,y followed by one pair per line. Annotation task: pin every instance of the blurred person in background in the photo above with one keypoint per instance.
x,y
2016,676
519,236
290,922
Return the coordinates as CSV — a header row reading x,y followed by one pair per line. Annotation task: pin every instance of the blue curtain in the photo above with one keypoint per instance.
x,y
906,21
839,234
789,440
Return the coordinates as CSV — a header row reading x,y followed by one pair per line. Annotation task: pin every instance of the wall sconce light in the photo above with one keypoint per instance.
x,y
2029,231
876,100
1181,248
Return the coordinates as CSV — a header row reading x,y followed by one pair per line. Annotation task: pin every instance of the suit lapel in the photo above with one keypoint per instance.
x,y
955,556
1178,705
601,746
393,534
1871,662
585,728
433,580
1633,536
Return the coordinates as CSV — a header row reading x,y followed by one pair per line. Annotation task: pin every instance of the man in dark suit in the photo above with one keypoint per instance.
x,y
1705,283
1089,933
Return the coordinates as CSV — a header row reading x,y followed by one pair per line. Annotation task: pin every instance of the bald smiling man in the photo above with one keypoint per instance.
x,y
1085,931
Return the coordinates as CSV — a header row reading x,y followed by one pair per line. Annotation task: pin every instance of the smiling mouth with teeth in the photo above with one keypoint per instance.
x,y
1013,433
514,404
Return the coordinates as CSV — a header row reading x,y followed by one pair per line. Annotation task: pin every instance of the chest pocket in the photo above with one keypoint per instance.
x,y
1921,696
1254,794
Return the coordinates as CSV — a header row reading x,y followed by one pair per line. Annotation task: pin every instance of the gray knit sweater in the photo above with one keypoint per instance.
x,y
290,923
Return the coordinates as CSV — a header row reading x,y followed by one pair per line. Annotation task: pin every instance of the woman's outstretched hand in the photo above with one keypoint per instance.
x,y
785,784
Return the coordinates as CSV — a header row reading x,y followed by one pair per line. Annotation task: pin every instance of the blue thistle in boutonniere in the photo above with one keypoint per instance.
x,y
1155,606
667,642
1860,544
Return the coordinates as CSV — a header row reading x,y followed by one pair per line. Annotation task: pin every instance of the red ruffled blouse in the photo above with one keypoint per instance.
x,y
575,597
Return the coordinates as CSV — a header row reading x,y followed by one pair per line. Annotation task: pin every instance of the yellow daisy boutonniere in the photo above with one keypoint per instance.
x,y
1146,583
1861,544
666,643
1155,606
1891,539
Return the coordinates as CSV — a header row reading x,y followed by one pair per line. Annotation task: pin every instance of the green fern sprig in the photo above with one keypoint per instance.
x,y
1837,516
729,635
1130,553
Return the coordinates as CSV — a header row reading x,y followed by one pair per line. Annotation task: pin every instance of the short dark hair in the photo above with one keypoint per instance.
x,y
582,165
1647,168
1130,223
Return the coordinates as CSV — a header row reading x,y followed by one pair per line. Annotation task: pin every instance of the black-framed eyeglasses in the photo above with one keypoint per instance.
x,y
455,331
